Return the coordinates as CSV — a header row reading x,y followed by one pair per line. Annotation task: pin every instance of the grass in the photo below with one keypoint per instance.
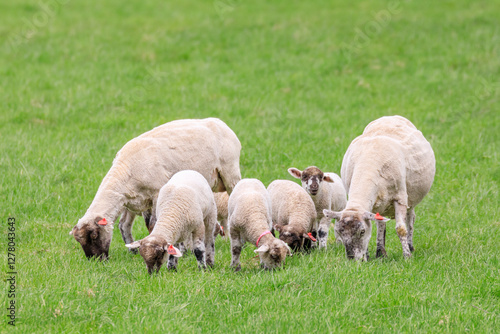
x,y
281,75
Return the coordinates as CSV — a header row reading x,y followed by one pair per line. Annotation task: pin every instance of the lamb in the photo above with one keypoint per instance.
x,y
327,192
250,220
388,170
293,212
145,164
185,210
221,200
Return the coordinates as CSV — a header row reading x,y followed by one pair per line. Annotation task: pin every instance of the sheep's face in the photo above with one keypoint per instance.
x,y
354,230
273,254
94,237
311,178
155,252
291,236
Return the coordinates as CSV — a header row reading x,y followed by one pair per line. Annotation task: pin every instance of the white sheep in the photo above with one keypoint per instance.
x,y
145,164
388,170
293,212
185,210
250,220
327,192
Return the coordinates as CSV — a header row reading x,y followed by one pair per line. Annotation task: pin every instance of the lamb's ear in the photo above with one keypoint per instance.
x,y
289,252
262,249
375,217
172,250
332,214
136,244
296,173
328,178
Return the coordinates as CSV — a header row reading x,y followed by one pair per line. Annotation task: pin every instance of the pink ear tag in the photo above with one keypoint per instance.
x,y
311,236
171,250
103,222
379,217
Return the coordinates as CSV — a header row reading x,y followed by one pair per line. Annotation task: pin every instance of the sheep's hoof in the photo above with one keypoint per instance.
x,y
381,253
237,268
411,248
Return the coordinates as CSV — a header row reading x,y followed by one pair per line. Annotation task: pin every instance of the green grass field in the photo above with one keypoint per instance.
x,y
297,81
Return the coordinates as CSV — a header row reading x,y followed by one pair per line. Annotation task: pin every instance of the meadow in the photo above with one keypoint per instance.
x,y
297,81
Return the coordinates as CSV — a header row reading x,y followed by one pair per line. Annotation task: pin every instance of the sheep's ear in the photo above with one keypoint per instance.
x,y
262,249
289,252
172,250
309,236
101,221
332,214
136,244
375,217
295,172
327,178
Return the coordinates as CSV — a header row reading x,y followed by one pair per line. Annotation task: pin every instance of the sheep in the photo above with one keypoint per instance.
x,y
388,170
185,210
250,220
327,192
293,212
221,200
145,164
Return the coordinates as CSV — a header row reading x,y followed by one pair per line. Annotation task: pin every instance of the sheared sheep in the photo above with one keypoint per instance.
x,y
388,170
327,192
293,212
185,210
250,220
145,164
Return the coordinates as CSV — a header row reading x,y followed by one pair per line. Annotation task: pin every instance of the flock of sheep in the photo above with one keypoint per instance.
x,y
184,176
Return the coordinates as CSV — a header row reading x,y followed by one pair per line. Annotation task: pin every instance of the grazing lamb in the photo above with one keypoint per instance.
x,y
221,200
293,212
145,164
388,170
250,220
327,192
185,210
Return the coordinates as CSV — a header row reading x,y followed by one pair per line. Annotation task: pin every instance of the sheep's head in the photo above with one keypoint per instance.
x,y
94,235
311,178
273,253
292,236
354,229
155,251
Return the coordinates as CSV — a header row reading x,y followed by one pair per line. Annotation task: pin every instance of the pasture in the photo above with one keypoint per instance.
x,y
297,81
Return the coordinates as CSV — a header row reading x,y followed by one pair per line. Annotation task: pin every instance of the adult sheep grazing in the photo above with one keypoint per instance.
x,y
250,220
185,210
293,211
145,164
327,192
388,170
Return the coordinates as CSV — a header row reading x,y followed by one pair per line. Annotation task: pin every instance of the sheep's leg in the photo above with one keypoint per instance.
x,y
150,224
210,222
236,245
401,229
410,221
381,239
323,228
125,225
230,175
199,246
